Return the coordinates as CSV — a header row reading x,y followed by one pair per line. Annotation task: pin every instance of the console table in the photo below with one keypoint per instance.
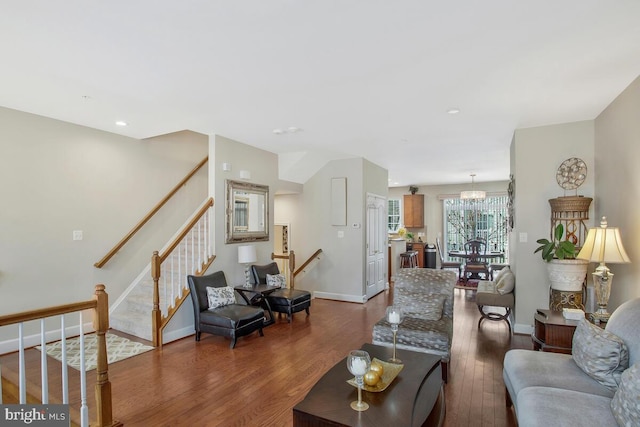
x,y
414,398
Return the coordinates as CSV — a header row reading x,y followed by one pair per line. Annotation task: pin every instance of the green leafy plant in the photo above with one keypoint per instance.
x,y
409,236
556,248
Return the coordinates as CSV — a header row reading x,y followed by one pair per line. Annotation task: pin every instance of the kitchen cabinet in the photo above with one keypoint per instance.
x,y
413,210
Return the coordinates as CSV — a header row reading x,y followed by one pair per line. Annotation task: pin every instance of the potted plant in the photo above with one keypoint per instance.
x,y
566,273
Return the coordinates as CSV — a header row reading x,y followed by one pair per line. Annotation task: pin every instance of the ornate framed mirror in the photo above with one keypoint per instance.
x,y
247,212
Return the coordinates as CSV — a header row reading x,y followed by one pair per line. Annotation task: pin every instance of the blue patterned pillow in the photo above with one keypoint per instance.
x,y
219,297
625,404
600,354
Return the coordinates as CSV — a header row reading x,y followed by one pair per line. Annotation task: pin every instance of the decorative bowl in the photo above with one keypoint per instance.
x,y
391,371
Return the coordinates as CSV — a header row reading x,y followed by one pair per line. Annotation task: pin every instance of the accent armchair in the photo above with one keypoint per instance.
x,y
231,320
284,300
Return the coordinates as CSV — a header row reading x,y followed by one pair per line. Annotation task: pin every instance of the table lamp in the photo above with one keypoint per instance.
x,y
603,244
246,256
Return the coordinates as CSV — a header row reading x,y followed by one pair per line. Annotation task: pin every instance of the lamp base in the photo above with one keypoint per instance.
x,y
598,317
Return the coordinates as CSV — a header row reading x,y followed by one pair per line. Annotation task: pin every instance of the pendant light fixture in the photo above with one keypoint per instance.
x,y
473,194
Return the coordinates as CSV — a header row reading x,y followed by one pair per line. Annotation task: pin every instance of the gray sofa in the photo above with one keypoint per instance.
x,y
426,298
548,389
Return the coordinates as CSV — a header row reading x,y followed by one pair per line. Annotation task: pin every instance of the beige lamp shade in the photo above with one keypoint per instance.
x,y
247,254
604,245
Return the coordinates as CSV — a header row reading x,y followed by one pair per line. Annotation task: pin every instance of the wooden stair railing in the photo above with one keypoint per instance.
x,y
291,261
200,224
148,216
100,308
291,264
312,258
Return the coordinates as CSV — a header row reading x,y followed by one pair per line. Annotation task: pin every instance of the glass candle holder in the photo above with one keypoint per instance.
x,y
358,363
394,317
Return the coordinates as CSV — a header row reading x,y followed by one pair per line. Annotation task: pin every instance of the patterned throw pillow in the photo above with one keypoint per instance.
x,y
625,404
600,354
276,280
221,296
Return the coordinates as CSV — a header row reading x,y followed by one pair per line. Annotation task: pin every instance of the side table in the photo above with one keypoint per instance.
x,y
552,332
256,297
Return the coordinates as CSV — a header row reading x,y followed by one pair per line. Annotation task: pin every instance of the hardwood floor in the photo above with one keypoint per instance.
x,y
189,383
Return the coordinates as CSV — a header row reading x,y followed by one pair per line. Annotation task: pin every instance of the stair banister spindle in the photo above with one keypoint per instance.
x,y
23,372
199,243
64,372
44,374
84,410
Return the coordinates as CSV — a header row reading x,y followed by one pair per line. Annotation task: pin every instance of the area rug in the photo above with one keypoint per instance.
x,y
118,348
471,284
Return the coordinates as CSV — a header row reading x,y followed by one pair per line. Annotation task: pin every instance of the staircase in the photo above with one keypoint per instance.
x,y
188,253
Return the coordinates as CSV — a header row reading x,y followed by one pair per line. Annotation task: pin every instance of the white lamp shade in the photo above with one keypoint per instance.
x,y
247,254
473,194
603,244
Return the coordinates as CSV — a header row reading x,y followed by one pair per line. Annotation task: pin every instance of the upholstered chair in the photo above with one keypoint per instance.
x,y
284,300
230,320
447,264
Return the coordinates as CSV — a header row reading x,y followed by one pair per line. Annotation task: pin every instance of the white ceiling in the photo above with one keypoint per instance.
x,y
367,78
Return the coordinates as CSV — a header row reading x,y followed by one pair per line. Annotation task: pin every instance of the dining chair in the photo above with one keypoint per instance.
x,y
476,264
447,264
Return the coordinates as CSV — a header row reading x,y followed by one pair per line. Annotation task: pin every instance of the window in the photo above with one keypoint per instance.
x,y
393,222
468,219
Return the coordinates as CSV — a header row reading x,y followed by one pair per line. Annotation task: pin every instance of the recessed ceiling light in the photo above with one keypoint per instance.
x,y
293,129
121,123
453,111
278,131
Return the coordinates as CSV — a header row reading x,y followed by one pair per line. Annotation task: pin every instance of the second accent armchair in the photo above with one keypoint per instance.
x,y
284,300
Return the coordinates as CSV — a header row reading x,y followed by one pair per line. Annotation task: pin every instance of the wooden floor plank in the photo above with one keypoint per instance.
x,y
189,383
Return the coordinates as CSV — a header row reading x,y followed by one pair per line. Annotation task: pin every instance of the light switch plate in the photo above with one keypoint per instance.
x,y
340,234
523,237
77,234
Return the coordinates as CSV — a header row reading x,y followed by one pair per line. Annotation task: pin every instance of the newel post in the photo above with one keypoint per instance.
x,y
292,267
103,385
156,316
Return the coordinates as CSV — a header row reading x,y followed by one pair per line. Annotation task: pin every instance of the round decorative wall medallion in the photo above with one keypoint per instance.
x,y
571,173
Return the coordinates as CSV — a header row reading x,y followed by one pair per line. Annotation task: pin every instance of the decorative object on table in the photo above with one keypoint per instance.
x,y
473,194
603,245
394,317
389,371
358,363
571,173
247,256
566,273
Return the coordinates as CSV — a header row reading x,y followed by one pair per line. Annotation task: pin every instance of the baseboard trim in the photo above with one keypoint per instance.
x,y
340,297
9,346
520,328
171,336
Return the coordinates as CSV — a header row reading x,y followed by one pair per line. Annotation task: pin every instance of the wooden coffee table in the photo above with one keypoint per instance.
x,y
414,398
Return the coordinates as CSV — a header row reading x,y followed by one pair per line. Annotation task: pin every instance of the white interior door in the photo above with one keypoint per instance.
x,y
376,244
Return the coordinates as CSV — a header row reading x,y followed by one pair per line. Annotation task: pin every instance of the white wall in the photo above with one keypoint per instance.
x,y
263,166
617,150
57,177
341,274
538,154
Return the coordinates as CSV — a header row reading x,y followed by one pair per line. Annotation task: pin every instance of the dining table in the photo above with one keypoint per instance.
x,y
487,255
